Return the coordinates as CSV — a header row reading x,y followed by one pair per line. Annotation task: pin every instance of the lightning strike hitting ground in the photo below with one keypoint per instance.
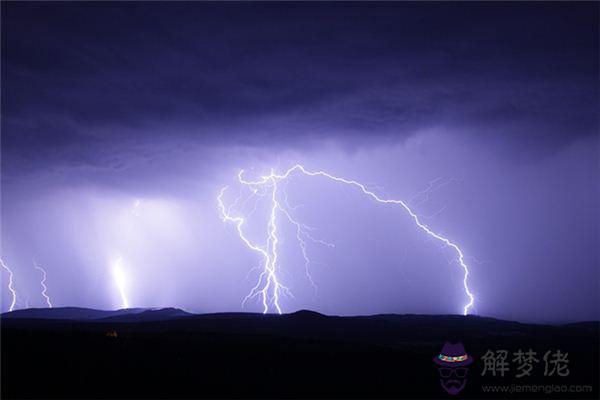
x,y
10,286
121,281
269,287
43,284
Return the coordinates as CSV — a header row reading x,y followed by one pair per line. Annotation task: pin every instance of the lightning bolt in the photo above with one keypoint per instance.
x,y
43,284
118,272
10,285
269,286
120,280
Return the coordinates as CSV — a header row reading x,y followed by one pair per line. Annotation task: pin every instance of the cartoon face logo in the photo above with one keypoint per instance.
x,y
452,363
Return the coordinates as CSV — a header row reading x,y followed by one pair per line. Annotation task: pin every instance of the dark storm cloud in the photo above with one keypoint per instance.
x,y
79,75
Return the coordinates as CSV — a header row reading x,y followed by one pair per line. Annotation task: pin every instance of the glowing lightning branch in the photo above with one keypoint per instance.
x,y
43,283
271,288
10,285
120,280
268,286
301,233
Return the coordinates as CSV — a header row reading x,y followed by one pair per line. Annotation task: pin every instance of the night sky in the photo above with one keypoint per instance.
x,y
122,121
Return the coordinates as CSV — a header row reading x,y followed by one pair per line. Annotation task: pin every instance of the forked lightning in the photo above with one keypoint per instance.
x,y
269,286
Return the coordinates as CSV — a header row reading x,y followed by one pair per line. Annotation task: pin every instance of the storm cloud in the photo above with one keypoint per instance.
x,y
106,103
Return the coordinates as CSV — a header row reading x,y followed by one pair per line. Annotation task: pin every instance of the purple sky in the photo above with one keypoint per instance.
x,y
108,105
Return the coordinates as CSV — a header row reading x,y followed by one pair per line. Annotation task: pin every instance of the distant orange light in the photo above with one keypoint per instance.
x,y
111,334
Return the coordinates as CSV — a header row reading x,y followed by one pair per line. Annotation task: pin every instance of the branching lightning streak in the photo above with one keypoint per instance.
x,y
271,289
43,284
301,233
10,285
423,196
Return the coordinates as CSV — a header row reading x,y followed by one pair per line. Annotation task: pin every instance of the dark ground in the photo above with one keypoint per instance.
x,y
168,354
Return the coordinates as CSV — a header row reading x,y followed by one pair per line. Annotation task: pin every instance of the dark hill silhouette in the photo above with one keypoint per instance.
x,y
89,314
148,315
72,313
168,353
